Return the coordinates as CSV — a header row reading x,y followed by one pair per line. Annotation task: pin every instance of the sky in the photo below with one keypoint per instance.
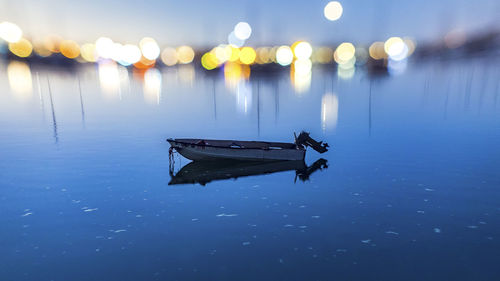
x,y
207,23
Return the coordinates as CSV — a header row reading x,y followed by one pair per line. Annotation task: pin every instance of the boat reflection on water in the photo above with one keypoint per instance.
x,y
203,172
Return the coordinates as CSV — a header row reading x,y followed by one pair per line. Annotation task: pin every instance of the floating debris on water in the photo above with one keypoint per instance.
x,y
245,243
482,222
392,232
226,215
437,230
288,225
90,210
421,212
27,214
429,189
120,230
138,216
366,241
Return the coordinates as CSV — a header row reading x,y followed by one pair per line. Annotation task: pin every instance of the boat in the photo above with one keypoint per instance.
x,y
209,150
203,172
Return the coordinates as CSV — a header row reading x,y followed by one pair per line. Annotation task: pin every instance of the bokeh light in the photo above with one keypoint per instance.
x,y
10,32
323,55
104,47
149,48
395,48
209,61
455,38
88,52
130,54
344,53
242,30
284,55
69,49
333,10
377,51
169,56
22,48
247,55
302,50
185,54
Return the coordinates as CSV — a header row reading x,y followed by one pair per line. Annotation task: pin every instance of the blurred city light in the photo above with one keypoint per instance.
x,y
302,50
344,54
88,52
130,54
242,31
284,55
69,49
22,48
149,48
209,61
10,32
247,55
333,11
185,54
104,47
377,51
169,56
395,48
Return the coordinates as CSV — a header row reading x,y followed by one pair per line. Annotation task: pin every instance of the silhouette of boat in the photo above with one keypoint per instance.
x,y
203,149
203,172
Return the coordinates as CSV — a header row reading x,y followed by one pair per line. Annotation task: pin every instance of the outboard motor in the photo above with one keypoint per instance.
x,y
305,140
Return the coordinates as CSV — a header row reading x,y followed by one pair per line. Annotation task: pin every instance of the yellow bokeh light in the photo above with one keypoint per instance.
x,y
302,50
344,53
10,32
69,49
169,56
247,55
89,52
209,61
333,11
185,54
284,55
21,48
376,51
235,54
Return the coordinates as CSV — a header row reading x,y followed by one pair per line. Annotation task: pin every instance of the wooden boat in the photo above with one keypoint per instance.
x,y
204,150
203,172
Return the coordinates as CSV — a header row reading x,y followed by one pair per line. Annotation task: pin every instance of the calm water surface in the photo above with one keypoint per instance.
x,y
411,192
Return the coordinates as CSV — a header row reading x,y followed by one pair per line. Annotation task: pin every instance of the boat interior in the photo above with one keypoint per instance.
x,y
236,143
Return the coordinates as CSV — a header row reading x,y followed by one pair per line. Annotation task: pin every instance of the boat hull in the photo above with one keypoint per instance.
x,y
207,153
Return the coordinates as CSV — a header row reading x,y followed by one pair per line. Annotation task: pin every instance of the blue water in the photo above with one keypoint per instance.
x,y
411,192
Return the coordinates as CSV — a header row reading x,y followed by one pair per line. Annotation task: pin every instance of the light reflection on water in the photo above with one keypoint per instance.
x,y
85,180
